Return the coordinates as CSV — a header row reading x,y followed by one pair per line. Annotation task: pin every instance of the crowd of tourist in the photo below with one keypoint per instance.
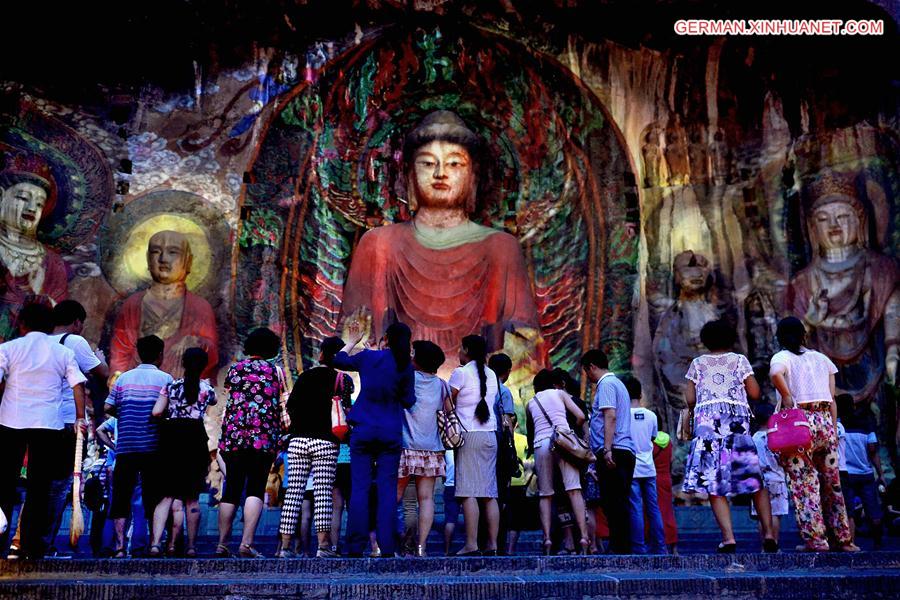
x,y
588,471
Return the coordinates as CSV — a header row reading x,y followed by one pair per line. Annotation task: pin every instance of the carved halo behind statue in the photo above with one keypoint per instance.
x,y
165,252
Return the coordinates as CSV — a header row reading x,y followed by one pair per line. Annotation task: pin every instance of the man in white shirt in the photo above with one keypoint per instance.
x,y
34,370
643,499
68,320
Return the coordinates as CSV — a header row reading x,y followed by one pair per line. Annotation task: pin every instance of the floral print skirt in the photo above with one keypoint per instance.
x,y
421,463
722,460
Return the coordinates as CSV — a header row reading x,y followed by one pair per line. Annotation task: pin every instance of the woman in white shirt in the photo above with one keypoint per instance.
x,y
474,388
546,411
805,378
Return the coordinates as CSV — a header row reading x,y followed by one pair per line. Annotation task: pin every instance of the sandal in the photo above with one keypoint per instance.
x,y
285,554
770,546
585,546
155,551
190,553
120,553
851,547
469,553
805,548
247,551
724,548
222,551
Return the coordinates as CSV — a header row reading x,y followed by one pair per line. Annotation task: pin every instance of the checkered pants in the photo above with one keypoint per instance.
x,y
321,457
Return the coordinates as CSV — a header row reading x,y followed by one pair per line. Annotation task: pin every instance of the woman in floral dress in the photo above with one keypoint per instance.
x,y
722,461
184,446
251,428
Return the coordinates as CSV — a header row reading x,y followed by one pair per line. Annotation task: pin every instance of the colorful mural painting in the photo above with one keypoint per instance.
x,y
554,175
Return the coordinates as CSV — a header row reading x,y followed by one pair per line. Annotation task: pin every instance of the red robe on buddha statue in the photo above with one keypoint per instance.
x,y
16,291
477,287
197,321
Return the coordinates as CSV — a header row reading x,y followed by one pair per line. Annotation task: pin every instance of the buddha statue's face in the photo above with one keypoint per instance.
x,y
443,175
21,207
836,225
692,276
169,257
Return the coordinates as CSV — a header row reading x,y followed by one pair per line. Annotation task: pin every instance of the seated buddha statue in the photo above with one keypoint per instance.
x,y
166,309
441,273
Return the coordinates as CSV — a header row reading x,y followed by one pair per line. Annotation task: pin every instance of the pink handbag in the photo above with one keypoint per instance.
x,y
789,432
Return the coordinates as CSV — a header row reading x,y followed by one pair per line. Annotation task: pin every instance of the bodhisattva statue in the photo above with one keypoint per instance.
x,y
440,273
848,295
677,339
166,309
28,269
652,157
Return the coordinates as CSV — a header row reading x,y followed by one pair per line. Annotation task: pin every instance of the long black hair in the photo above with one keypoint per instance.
x,y
475,347
194,361
791,334
398,340
330,347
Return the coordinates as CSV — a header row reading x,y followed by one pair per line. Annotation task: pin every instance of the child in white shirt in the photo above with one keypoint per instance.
x,y
773,474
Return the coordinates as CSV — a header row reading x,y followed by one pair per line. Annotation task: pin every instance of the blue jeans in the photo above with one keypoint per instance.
x,y
374,457
644,501
59,493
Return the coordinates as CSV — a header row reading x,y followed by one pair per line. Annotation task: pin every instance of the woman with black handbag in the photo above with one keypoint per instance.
x,y
546,414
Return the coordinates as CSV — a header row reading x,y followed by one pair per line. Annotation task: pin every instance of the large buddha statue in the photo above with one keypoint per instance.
x,y
166,309
440,273
848,294
28,269
677,339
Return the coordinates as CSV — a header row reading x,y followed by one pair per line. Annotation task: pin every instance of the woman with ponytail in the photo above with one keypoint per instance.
x,y
387,386
804,379
184,446
474,389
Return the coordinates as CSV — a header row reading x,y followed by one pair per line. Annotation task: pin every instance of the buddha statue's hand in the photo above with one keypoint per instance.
x,y
818,309
181,346
890,364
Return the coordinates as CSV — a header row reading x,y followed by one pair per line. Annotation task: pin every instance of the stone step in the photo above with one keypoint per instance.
x,y
863,575
731,583
80,568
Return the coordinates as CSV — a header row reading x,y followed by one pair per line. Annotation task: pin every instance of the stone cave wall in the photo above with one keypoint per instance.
x,y
720,146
